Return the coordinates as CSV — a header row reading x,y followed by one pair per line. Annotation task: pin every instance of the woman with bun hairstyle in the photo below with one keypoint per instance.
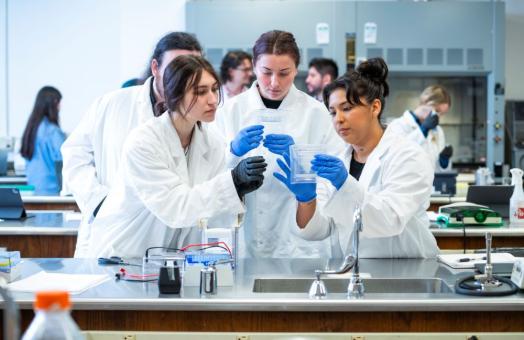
x,y
387,176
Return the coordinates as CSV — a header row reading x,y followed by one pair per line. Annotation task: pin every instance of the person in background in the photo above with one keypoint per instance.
x,y
173,172
41,142
322,71
385,175
270,215
422,125
92,152
236,72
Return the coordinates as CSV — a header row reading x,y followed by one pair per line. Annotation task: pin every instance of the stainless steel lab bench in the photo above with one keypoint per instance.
x,y
42,234
50,203
121,305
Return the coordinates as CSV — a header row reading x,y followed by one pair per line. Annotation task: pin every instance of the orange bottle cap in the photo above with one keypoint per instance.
x,y
52,300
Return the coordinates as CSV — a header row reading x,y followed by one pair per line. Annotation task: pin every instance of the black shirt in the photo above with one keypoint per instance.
x,y
271,104
355,168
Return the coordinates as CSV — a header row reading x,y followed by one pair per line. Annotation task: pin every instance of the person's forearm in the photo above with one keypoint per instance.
x,y
305,212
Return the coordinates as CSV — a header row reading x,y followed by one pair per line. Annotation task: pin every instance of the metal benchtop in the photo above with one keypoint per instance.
x,y
123,295
41,223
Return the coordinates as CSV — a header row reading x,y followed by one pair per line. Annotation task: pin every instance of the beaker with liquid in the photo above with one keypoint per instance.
x,y
301,157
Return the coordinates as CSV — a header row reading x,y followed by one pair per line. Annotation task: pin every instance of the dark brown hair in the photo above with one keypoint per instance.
x,y
46,105
278,43
368,81
184,73
232,60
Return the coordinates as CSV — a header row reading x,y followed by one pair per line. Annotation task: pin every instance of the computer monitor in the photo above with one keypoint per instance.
x,y
11,204
494,196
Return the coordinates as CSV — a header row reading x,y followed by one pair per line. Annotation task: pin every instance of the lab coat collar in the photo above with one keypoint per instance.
x,y
410,120
199,150
255,101
144,100
374,159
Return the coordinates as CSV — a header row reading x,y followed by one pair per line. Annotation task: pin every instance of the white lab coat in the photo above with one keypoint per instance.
x,y
433,144
270,217
91,154
160,198
393,193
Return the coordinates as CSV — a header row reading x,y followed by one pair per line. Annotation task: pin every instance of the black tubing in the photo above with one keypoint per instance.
x,y
461,287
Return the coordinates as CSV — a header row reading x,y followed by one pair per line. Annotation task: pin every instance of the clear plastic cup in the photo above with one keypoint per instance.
x,y
272,120
301,157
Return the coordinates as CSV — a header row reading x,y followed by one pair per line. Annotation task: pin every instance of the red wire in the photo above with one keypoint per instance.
x,y
207,244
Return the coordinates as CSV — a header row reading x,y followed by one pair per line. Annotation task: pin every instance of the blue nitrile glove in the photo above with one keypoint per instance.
x,y
247,139
304,192
429,123
278,144
445,155
330,168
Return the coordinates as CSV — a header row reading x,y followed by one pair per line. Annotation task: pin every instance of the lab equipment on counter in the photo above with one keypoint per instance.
x,y
52,318
170,279
209,278
468,214
517,275
11,205
301,157
486,284
516,202
483,177
10,265
495,197
445,182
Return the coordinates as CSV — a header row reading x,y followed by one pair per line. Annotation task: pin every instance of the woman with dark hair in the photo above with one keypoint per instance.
x,y
270,216
389,178
236,71
172,172
41,142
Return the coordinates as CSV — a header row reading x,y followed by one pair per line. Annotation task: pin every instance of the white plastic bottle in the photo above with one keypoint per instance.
x,y
52,319
516,202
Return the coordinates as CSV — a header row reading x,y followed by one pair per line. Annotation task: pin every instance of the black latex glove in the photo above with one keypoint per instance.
x,y
429,123
248,175
447,152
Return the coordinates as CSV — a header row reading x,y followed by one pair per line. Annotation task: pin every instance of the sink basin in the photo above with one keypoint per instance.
x,y
378,285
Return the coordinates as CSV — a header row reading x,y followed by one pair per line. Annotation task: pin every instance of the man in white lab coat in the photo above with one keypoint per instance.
x,y
91,154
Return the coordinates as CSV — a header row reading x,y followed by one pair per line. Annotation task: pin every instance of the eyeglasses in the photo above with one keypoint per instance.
x,y
244,69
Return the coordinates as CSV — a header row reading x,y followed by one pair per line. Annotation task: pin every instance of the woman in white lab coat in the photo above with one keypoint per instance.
x,y
172,173
270,216
422,125
384,174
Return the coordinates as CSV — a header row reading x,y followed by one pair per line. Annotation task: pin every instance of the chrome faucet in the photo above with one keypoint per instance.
x,y
355,286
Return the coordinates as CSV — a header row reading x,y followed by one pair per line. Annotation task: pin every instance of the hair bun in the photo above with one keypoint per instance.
x,y
374,69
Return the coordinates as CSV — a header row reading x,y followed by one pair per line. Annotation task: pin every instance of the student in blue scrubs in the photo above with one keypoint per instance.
x,y
41,142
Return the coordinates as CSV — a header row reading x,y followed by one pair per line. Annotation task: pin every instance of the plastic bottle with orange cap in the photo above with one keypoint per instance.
x,y
52,318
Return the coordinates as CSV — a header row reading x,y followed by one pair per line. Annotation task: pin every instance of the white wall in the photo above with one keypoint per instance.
x,y
3,66
84,48
515,49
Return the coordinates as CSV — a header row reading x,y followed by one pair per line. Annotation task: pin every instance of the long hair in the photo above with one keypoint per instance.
x,y
46,105
181,74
